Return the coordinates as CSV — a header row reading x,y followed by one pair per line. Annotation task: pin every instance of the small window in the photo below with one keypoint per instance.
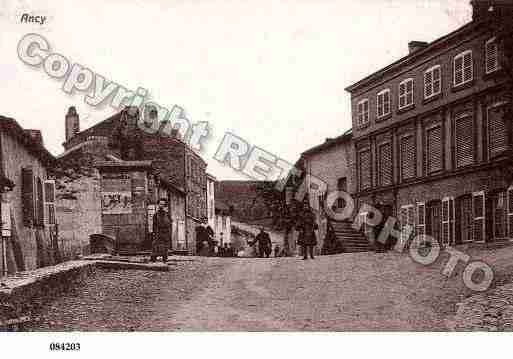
x,y
491,56
383,103
406,93
432,81
463,68
363,113
478,210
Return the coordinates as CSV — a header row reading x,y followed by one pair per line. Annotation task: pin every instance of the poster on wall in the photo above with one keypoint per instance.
x,y
119,202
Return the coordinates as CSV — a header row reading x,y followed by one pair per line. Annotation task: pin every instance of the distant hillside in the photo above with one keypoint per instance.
x,y
244,197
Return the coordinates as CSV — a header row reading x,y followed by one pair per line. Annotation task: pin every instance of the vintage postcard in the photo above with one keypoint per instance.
x,y
269,166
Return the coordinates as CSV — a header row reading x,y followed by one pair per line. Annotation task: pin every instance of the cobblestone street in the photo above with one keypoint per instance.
x,y
365,291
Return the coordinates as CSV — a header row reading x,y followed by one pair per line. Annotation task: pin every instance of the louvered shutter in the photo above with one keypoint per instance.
x,y
50,201
386,102
409,92
407,157
467,67
364,167
492,56
385,164
448,221
421,219
437,80
458,70
497,133
27,189
510,212
478,211
381,110
464,131
428,84
402,95
434,150
40,206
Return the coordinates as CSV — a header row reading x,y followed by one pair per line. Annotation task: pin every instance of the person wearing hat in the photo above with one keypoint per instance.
x,y
307,237
162,225
264,243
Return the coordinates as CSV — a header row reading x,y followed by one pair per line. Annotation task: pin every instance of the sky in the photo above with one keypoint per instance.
x,y
271,72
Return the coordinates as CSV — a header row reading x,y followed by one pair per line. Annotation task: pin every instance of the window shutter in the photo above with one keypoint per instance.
x,y
434,150
428,84
437,80
478,210
510,212
365,173
385,164
408,157
464,141
27,188
448,221
421,219
40,208
492,56
50,201
409,92
402,95
458,70
467,67
497,133
386,102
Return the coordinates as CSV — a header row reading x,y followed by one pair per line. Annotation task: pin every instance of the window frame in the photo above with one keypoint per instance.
x,y
497,62
483,217
382,93
363,117
379,146
407,208
432,71
405,95
401,169
462,56
359,169
427,148
450,221
457,118
488,108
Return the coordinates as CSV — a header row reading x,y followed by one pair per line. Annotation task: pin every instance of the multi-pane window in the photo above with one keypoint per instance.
x,y
406,93
463,68
385,164
432,81
420,226
478,211
497,130
491,56
383,103
464,140
363,113
407,151
434,149
364,169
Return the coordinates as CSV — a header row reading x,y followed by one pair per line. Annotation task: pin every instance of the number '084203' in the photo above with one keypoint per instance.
x,y
64,346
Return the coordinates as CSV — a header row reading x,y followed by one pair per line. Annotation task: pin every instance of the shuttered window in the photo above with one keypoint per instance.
x,y
406,93
464,140
491,56
385,164
434,150
420,226
40,207
364,169
448,233
27,189
363,113
432,81
497,132
383,103
50,201
478,211
407,218
407,145
463,68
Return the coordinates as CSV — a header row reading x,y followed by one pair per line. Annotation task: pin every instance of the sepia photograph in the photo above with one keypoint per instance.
x,y
203,177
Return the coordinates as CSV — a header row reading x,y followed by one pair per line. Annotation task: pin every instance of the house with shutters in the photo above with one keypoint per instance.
x,y
27,200
431,138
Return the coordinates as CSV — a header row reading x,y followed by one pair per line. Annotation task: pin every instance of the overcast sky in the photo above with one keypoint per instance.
x,y
272,72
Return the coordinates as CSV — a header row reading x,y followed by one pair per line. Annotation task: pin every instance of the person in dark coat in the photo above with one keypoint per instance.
x,y
162,226
264,243
307,237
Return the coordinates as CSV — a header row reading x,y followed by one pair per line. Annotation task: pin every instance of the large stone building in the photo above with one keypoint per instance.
x,y
120,138
431,138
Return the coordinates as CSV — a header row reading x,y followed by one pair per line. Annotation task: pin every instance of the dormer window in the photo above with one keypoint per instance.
x,y
406,93
383,103
463,68
363,113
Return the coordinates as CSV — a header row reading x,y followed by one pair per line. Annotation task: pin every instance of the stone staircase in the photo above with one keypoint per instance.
x,y
352,240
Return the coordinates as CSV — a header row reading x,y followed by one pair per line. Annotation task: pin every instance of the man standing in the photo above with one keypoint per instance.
x,y
162,225
264,243
307,238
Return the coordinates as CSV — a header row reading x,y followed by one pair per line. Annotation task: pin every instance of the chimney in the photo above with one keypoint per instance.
x,y
416,45
72,123
481,9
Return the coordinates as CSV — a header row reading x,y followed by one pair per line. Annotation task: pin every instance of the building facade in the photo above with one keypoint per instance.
x,y
432,141
211,203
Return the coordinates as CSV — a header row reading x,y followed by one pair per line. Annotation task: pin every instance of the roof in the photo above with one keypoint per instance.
x,y
122,164
410,58
330,142
31,143
209,176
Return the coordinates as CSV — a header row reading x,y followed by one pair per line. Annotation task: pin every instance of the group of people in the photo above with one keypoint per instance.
x,y
208,246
